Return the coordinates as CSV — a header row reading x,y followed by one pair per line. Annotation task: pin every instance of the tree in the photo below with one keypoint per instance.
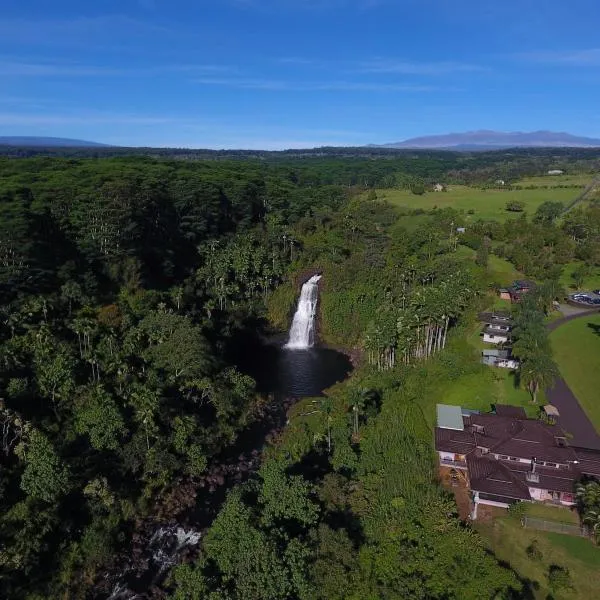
x,y
417,188
483,253
326,408
98,416
580,274
45,476
54,365
538,372
174,346
548,212
250,565
515,206
144,402
559,578
285,497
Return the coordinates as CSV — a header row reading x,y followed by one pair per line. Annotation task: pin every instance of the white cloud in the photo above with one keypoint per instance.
x,y
574,58
60,69
403,67
302,86
34,120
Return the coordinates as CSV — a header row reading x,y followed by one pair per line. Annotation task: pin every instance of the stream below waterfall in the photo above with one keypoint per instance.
x,y
284,372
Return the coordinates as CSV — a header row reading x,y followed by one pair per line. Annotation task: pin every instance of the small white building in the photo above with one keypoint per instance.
x,y
438,187
492,335
556,172
499,358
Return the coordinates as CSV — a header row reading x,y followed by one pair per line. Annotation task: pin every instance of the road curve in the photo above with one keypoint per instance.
x,y
572,417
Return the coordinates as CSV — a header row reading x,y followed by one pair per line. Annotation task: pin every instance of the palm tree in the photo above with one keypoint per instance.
x,y
357,402
592,519
326,407
588,495
538,372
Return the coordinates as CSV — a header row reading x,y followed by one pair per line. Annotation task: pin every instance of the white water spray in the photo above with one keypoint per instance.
x,y
302,332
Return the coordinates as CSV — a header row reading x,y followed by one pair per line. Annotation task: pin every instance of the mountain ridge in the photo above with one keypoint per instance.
x,y
488,139
47,142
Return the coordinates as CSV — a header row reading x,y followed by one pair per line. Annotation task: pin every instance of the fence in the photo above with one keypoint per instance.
x,y
543,525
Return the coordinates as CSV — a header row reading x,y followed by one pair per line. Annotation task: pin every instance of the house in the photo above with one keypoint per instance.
x,y
438,187
498,326
461,229
555,172
507,457
523,285
500,182
499,358
516,290
495,336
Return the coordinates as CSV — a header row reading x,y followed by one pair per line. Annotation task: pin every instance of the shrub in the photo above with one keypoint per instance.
x,y
559,578
515,206
533,551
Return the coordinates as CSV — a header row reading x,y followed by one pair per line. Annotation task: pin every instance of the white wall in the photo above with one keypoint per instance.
x,y
495,339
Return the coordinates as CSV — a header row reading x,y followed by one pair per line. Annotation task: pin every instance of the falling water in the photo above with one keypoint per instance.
x,y
164,551
302,332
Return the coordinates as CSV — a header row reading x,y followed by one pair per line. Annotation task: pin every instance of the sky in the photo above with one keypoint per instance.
x,y
274,74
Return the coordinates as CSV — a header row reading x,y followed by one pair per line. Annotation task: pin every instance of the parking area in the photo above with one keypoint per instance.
x,y
586,299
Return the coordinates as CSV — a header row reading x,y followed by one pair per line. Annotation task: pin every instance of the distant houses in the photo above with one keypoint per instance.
x,y
555,172
438,187
516,290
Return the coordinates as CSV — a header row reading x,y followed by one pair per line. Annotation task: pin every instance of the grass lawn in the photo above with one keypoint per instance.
x,y
489,386
559,514
502,271
508,540
592,282
487,204
553,180
576,347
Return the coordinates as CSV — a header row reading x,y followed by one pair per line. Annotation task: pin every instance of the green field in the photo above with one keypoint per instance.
x,y
576,347
554,180
487,204
508,540
591,282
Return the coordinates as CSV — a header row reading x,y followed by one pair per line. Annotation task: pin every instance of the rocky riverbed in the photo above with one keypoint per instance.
x,y
174,532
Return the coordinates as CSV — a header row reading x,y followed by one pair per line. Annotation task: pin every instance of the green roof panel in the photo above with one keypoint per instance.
x,y
449,417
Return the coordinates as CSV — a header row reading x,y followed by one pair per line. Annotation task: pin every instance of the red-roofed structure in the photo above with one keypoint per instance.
x,y
507,457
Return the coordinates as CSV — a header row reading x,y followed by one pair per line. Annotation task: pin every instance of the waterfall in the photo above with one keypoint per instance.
x,y
302,332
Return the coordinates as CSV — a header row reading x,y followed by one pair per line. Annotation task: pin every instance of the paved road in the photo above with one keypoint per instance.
x,y
572,417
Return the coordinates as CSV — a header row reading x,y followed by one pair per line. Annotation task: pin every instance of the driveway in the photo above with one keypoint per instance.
x,y
572,417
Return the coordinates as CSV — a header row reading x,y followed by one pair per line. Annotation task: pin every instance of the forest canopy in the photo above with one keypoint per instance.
x,y
126,283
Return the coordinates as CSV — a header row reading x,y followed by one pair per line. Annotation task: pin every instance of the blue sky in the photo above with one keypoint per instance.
x,y
296,73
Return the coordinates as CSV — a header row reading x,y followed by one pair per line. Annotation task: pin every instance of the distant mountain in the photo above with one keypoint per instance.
x,y
491,140
46,142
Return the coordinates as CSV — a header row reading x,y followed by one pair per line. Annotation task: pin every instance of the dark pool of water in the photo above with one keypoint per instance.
x,y
295,373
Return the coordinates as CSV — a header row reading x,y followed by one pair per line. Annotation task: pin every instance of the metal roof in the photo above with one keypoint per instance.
x,y
449,417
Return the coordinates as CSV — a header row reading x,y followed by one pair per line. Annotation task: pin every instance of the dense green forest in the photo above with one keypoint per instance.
x,y
126,282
